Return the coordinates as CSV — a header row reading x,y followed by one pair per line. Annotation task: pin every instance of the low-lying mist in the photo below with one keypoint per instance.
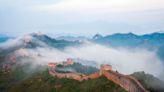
x,y
124,60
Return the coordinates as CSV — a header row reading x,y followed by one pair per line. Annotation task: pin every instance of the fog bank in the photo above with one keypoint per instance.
x,y
123,60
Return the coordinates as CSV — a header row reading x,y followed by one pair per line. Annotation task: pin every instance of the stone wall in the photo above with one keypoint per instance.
x,y
129,83
94,75
75,76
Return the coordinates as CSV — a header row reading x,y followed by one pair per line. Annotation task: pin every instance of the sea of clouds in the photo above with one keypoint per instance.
x,y
124,60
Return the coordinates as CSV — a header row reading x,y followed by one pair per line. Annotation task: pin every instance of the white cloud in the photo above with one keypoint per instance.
x,y
124,60
99,6
140,16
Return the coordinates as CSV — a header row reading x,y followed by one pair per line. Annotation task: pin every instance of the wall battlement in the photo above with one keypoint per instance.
x,y
127,82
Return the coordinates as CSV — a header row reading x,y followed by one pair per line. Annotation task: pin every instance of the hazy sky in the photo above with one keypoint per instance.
x,y
81,17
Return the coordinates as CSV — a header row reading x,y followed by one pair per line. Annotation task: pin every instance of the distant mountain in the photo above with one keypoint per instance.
x,y
41,40
35,40
160,52
132,40
44,40
154,41
97,36
72,38
4,38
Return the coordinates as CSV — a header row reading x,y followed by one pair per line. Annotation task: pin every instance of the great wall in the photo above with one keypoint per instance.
x,y
127,82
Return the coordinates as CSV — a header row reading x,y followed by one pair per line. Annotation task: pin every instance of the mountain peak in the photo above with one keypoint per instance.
x,y
97,36
161,31
37,34
130,33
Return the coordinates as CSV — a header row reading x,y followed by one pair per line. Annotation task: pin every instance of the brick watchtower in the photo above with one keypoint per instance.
x,y
105,67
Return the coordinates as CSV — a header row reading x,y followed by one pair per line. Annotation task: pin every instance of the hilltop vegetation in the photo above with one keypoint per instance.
x,y
43,82
149,82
